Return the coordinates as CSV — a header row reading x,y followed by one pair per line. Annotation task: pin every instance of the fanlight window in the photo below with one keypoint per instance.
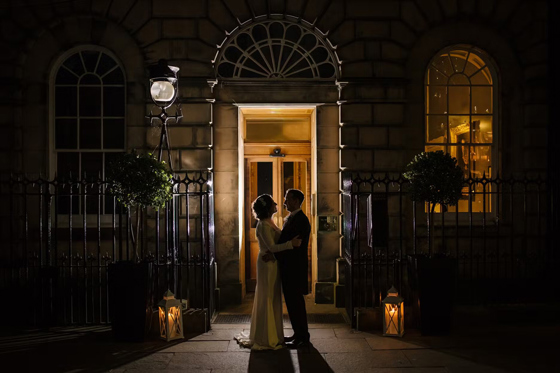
x,y
460,118
276,50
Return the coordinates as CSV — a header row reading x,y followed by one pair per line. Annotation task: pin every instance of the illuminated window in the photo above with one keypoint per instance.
x,y
88,91
460,117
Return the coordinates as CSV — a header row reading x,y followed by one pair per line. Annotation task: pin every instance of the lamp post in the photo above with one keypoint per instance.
x,y
163,90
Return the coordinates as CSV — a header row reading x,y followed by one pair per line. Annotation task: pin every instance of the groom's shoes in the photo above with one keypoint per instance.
x,y
297,343
289,339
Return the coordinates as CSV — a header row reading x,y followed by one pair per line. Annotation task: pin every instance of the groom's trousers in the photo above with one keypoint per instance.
x,y
295,303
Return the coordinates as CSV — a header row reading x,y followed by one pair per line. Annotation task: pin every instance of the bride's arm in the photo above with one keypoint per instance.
x,y
265,236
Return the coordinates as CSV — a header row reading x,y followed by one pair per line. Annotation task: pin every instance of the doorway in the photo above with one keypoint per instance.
x,y
276,153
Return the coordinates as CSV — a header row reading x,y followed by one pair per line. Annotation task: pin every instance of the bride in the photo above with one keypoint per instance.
x,y
267,331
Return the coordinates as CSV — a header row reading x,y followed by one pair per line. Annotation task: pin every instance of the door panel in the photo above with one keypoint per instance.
x,y
271,176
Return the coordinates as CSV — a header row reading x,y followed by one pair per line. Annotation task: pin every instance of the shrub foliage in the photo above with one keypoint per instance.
x,y
436,178
140,179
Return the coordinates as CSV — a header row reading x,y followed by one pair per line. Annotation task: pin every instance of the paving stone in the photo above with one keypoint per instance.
x,y
199,346
360,362
154,361
341,345
217,335
388,343
321,333
227,361
347,333
238,327
452,363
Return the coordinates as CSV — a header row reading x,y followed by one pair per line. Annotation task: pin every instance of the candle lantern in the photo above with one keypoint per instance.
x,y
170,317
393,314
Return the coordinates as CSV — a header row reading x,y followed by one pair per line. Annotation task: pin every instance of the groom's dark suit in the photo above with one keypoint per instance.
x,y
293,272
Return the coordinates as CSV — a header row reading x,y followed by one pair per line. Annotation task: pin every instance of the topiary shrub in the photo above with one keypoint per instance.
x,y
140,181
436,178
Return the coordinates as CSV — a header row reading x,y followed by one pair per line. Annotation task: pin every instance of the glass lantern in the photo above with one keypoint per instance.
x,y
163,84
170,317
393,314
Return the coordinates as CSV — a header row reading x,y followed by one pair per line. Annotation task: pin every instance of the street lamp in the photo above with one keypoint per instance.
x,y
163,90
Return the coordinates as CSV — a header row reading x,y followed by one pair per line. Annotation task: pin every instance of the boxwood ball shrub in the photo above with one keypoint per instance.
x,y
435,177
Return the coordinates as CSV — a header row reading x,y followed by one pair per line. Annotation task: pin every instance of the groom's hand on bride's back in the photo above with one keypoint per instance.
x,y
268,257
296,241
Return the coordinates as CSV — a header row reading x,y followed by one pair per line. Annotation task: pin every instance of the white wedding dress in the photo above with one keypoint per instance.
x,y
267,331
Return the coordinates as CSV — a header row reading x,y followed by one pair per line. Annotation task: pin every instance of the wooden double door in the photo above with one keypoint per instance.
x,y
273,176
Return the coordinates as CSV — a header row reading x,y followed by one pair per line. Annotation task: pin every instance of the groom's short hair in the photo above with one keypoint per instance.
x,y
297,194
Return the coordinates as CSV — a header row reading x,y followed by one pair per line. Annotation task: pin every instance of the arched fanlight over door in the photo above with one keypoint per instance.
x,y
277,49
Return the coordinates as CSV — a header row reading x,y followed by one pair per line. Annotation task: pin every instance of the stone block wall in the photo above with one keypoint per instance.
x,y
384,45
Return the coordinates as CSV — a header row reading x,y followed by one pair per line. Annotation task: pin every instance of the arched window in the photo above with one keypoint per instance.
x,y
88,115
461,114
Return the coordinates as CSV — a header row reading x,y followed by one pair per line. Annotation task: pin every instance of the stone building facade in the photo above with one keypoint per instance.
x,y
370,114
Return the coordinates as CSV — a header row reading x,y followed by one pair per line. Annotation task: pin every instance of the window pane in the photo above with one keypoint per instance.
x,y
434,148
458,59
483,77
64,76
113,134
435,77
437,129
92,165
90,79
67,165
90,101
459,100
65,134
480,161
482,129
74,63
66,102
462,155
437,100
90,133
90,60
443,64
481,100
106,63
113,101
114,77
459,128
459,79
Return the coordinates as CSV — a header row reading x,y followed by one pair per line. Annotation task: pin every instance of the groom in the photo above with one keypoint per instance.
x,y
293,267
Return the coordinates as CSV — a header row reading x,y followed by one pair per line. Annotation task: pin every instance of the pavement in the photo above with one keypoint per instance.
x,y
528,345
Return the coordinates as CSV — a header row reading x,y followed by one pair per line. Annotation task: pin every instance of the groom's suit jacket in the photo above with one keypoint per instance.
x,y
293,264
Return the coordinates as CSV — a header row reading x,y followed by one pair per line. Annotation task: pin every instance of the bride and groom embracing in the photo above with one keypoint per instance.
x,y
281,267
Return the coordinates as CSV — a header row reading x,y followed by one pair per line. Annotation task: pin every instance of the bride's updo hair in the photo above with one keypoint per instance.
x,y
261,206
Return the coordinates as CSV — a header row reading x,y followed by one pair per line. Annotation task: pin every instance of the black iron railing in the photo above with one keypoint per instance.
x,y
497,238
60,236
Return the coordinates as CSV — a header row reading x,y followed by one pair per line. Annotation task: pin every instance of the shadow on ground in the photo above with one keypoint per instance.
x,y
91,349
286,361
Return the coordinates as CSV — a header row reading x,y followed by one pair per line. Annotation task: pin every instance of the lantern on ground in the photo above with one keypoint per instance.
x,y
170,317
393,314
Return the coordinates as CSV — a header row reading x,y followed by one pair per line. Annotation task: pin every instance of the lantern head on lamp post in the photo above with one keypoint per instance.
x,y
170,317
393,314
163,90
